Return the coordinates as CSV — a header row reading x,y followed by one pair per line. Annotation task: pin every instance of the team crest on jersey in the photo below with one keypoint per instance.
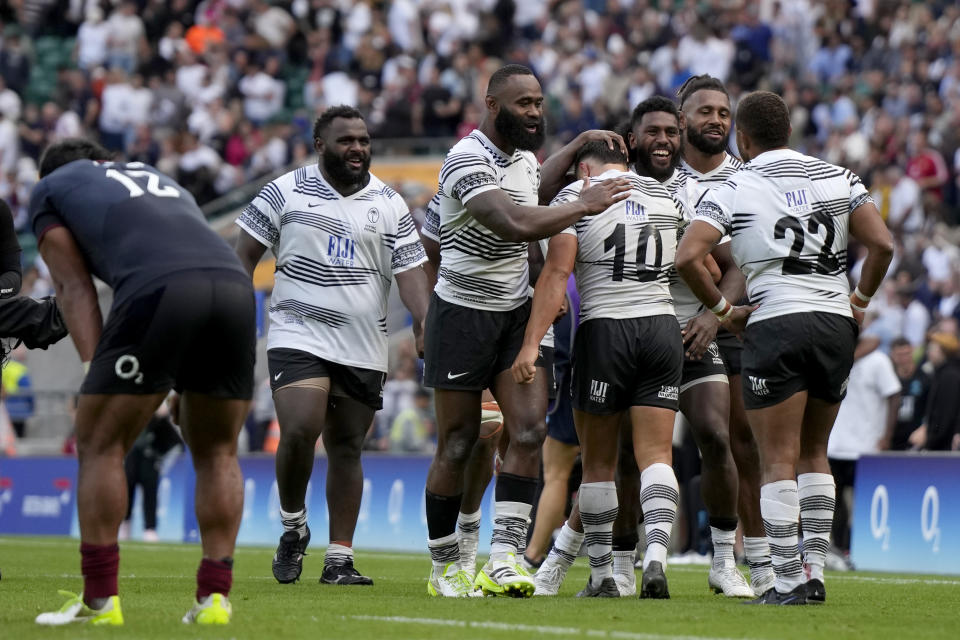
x,y
373,216
798,201
635,212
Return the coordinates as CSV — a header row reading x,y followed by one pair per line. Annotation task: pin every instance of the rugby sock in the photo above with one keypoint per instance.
x,y
99,564
567,545
214,576
817,501
723,532
625,553
513,502
442,514
757,551
294,521
338,553
780,508
468,529
659,496
598,510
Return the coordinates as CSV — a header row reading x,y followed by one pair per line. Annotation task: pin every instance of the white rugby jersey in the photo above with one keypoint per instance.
x,y
686,190
336,257
431,230
626,253
788,218
727,168
477,268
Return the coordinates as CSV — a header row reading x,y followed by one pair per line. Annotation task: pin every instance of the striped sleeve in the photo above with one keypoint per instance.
x,y
568,194
431,220
859,195
408,252
466,175
716,208
261,218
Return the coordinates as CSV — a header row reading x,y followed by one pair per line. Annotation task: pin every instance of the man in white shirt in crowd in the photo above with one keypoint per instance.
x,y
864,425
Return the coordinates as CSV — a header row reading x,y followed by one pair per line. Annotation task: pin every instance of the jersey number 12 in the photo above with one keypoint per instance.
x,y
126,178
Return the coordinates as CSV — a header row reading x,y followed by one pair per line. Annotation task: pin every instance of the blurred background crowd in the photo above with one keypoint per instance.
x,y
220,92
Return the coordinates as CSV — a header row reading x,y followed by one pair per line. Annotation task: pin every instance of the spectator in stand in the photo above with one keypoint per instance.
x,y
926,166
262,92
914,390
864,424
125,38
941,428
414,429
92,40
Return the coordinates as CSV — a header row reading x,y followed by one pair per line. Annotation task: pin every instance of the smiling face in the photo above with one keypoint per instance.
x,y
344,150
708,118
656,138
519,112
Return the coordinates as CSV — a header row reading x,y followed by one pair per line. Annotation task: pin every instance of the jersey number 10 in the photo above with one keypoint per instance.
x,y
126,178
618,242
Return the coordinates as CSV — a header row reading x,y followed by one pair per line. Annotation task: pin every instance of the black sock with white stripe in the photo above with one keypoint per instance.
x,y
442,512
780,508
598,510
817,493
513,502
659,496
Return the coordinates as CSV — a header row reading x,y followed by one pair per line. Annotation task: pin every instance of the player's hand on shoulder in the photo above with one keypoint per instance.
x,y
612,139
699,333
600,197
737,321
524,367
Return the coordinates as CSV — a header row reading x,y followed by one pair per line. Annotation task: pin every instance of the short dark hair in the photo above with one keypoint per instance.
x,y
900,342
332,113
651,105
764,117
698,83
68,150
504,73
600,150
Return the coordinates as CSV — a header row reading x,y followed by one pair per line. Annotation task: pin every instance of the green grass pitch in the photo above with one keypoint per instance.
x,y
157,584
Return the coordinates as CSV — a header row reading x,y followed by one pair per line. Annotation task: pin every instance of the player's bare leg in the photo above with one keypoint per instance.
x,y
458,425
599,440
777,430
301,413
659,492
106,427
817,492
477,476
747,457
707,407
524,409
558,461
210,427
346,427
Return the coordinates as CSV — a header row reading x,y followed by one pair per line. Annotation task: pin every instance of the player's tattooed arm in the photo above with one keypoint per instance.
x,y
76,293
548,297
553,171
512,222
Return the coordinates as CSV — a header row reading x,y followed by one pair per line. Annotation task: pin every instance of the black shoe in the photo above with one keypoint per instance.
x,y
288,560
772,596
816,592
343,574
654,583
606,589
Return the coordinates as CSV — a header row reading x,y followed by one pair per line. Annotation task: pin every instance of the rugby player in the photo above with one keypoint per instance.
x,y
183,316
340,236
789,217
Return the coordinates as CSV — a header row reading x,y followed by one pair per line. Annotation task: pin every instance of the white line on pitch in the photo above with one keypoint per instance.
x,y
530,628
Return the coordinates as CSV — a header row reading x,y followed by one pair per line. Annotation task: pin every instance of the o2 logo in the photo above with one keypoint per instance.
x,y
879,512
929,517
